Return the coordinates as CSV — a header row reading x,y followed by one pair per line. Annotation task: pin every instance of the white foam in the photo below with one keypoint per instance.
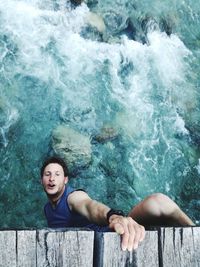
x,y
180,125
169,54
12,117
198,167
34,28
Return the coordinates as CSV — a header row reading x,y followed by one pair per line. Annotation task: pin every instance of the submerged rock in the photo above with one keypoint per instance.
x,y
106,134
76,3
96,21
72,146
94,27
167,24
89,3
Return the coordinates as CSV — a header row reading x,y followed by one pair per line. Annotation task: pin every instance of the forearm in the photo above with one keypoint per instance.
x,y
97,212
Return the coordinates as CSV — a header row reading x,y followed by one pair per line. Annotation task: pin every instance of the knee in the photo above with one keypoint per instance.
x,y
160,205
159,198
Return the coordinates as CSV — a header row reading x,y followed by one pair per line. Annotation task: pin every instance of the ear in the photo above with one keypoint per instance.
x,y
66,179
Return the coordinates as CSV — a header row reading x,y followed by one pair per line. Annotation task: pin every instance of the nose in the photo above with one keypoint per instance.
x,y
51,178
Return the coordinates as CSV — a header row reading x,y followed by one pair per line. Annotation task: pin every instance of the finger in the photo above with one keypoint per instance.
x,y
142,233
116,226
119,229
136,234
125,237
120,226
137,237
132,234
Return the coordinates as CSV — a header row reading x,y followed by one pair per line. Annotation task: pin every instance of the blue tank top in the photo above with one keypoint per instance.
x,y
61,216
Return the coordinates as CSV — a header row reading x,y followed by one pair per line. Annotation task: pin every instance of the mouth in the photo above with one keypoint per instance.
x,y
51,186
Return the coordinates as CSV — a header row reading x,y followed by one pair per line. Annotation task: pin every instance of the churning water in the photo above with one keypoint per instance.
x,y
136,73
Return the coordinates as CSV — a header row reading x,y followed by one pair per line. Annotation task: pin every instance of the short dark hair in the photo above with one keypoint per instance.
x,y
57,160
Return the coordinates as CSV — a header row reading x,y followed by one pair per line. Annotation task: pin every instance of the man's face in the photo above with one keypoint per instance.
x,y
54,180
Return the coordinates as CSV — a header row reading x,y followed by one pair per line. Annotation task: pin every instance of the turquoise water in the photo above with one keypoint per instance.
x,y
139,77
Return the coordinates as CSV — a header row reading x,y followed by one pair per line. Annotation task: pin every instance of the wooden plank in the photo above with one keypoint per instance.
x,y
8,248
65,248
147,253
196,238
180,247
108,251
26,248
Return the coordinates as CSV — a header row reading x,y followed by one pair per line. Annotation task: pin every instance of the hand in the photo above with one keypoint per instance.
x,y
132,232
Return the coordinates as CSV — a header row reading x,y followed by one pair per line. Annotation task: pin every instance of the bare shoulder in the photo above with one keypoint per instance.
x,y
77,195
77,198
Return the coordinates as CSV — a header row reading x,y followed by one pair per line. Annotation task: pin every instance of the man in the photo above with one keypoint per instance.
x,y
74,208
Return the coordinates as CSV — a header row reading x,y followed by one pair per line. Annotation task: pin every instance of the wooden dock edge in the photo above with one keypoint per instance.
x,y
75,247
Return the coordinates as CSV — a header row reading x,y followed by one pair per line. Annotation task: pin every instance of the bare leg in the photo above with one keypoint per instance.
x,y
158,209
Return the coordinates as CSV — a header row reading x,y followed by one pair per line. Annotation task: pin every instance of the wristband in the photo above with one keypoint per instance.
x,y
114,212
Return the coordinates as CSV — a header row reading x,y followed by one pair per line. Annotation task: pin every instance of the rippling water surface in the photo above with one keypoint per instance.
x,y
135,70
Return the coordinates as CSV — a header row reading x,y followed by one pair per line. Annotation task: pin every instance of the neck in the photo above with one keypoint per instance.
x,y
54,199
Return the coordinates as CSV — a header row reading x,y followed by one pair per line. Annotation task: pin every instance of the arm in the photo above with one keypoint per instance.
x,y
94,211
132,233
